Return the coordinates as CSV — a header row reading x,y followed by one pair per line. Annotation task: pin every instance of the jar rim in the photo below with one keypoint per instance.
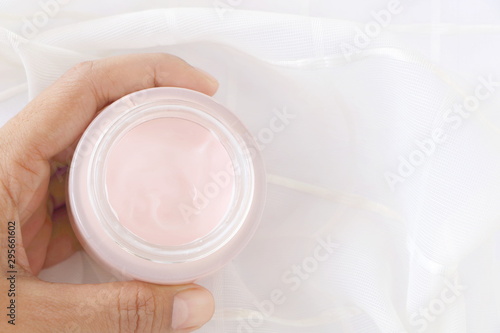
x,y
242,195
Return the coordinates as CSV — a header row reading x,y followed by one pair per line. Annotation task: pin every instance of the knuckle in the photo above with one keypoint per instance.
x,y
137,308
83,69
86,75
81,75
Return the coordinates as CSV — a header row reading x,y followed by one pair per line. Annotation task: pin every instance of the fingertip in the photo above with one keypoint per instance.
x,y
212,82
192,308
171,71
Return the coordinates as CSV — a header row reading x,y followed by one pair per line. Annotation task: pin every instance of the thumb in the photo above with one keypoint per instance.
x,y
119,307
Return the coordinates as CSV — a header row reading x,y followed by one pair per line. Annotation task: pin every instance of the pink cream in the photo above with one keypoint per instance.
x,y
169,181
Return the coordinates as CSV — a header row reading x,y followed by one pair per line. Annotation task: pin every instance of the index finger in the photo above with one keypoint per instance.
x,y
59,115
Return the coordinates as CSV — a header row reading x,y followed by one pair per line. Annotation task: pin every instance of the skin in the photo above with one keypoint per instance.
x,y
35,147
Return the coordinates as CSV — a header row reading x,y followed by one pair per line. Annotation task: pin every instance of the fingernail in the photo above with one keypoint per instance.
x,y
212,80
192,308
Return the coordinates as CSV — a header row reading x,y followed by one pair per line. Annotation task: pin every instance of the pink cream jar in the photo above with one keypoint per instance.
x,y
166,186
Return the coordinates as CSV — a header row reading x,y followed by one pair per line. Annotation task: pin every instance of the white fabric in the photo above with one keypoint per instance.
x,y
423,257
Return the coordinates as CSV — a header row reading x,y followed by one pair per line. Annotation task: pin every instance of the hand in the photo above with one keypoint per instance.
x,y
35,147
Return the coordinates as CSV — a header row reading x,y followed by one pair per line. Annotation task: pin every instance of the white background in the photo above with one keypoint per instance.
x,y
429,245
